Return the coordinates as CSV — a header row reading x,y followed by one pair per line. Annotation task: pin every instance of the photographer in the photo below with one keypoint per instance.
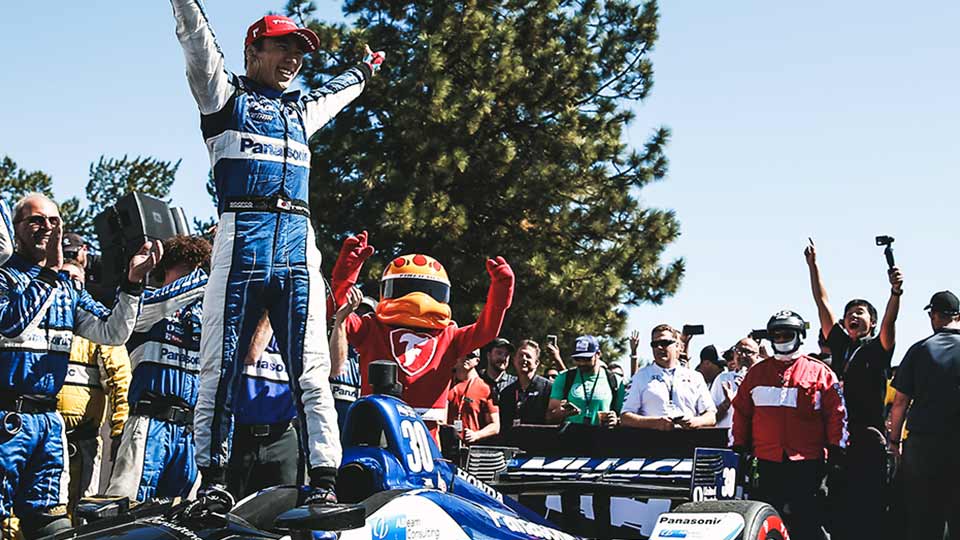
x,y
665,395
861,350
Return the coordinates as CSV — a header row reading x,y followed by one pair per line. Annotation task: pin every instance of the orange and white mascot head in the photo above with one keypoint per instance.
x,y
415,293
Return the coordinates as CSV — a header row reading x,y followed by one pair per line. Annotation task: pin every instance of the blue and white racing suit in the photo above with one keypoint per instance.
x,y
39,314
265,256
156,455
6,233
346,386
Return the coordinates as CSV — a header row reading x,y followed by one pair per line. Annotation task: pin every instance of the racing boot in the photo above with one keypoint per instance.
x,y
322,489
213,495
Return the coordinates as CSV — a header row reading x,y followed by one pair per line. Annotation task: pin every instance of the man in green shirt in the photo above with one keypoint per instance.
x,y
581,393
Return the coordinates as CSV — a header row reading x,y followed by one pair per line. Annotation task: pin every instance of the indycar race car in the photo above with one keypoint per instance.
x,y
395,485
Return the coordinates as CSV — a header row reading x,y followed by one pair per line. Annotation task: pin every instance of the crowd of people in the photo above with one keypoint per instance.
x,y
231,375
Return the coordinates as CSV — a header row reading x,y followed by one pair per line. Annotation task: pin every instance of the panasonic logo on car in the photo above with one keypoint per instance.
x,y
667,520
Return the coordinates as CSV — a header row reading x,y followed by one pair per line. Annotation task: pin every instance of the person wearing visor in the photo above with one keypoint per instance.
x,y
265,257
789,413
413,326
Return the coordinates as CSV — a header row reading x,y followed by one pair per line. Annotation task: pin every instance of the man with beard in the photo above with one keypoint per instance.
x,y
39,314
580,394
495,374
861,351
526,400
788,412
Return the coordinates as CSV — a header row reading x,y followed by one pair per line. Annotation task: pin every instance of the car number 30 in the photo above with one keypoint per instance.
x,y
420,459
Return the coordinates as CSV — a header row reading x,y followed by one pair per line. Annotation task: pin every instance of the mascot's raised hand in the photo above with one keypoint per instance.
x,y
501,281
354,251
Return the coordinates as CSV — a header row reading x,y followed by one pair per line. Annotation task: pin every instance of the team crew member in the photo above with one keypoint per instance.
x,y
39,314
580,394
95,374
472,411
928,382
665,395
724,389
788,411
861,350
156,455
6,233
266,256
526,400
345,380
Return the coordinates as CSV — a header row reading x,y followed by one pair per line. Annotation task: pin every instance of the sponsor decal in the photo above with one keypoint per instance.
x,y
183,531
250,146
413,351
479,484
405,410
523,526
706,526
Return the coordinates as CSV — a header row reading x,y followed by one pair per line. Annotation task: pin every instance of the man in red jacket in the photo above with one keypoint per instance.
x,y
789,413
412,323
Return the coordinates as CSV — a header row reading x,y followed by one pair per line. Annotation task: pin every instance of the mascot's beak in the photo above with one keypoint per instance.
x,y
415,310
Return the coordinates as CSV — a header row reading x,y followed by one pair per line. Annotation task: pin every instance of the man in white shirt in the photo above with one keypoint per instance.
x,y
665,395
745,353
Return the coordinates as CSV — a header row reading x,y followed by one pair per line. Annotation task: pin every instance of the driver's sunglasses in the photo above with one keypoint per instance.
x,y
662,343
41,221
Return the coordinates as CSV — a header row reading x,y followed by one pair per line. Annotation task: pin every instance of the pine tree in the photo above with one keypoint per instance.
x,y
496,128
16,182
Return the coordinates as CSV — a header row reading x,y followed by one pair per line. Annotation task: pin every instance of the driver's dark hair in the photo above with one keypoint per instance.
x,y
193,251
256,44
857,302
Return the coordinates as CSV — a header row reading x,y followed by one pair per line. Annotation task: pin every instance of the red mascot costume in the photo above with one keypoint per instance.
x,y
412,323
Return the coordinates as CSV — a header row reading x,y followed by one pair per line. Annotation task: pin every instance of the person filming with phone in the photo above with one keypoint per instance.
x,y
666,395
587,393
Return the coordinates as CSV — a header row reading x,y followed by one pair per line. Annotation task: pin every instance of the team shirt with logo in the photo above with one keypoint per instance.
x,y
656,391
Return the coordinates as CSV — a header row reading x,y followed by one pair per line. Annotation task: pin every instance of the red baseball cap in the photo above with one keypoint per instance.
x,y
278,25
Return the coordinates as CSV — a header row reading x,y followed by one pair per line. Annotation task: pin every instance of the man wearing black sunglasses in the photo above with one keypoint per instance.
x,y
666,395
39,315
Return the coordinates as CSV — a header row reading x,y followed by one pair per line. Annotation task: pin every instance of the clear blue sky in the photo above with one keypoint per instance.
x,y
835,120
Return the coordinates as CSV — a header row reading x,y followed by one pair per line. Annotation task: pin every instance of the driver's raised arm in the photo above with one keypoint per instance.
x,y
209,80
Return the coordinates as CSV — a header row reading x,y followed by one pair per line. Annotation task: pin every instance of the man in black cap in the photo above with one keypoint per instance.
x,y
495,374
711,364
928,382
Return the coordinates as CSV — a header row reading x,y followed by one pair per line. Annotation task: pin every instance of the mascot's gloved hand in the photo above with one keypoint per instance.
x,y
501,281
373,60
354,251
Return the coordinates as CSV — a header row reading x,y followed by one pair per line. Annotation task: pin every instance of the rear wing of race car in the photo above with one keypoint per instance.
x,y
585,476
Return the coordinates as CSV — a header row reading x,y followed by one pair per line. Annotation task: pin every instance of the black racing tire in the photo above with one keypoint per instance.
x,y
760,520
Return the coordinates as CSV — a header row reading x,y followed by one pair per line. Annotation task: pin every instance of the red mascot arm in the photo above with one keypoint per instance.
x,y
499,298
346,272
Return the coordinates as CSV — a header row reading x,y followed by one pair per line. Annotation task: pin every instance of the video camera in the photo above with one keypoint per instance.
x,y
888,252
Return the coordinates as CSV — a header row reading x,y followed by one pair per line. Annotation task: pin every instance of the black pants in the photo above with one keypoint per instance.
x,y
260,462
791,487
931,475
858,490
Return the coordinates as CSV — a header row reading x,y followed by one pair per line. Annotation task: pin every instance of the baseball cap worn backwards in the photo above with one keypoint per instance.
x,y
278,25
944,302
585,347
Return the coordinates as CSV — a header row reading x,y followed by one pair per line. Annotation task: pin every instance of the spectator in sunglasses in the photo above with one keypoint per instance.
x,y
666,395
724,388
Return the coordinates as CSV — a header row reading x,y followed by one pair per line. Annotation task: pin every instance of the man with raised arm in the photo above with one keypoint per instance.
x,y
265,257
40,312
861,347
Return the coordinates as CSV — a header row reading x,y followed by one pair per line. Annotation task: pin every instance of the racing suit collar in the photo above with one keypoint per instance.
x,y
266,91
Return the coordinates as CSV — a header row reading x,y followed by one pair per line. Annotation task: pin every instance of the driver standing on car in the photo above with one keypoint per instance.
x,y
788,412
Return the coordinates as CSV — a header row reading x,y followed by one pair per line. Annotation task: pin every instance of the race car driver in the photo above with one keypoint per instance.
x,y
265,256
788,412
412,324
156,454
39,315
6,233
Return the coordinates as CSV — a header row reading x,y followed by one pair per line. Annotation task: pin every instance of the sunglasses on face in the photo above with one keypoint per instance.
x,y
41,221
747,352
662,343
